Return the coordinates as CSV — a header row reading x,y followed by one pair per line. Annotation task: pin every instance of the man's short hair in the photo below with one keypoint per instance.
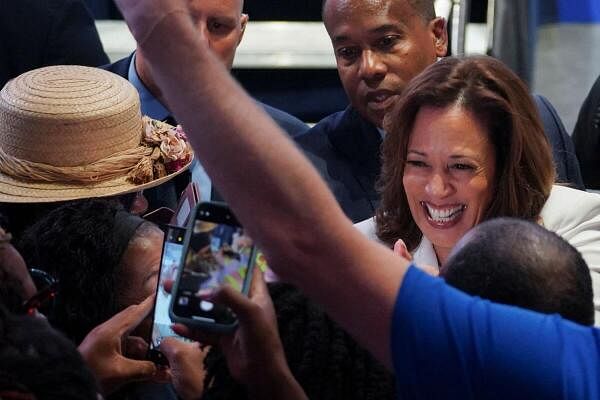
x,y
520,263
425,8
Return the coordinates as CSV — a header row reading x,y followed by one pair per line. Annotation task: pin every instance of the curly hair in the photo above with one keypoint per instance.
x,y
326,361
502,104
76,244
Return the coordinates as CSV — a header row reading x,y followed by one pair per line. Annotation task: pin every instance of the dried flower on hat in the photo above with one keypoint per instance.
x,y
171,151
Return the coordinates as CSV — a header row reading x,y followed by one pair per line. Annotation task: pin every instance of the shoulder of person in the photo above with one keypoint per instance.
x,y
567,206
367,228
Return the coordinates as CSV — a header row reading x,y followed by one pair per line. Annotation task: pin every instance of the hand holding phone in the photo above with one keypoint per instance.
x,y
217,252
254,352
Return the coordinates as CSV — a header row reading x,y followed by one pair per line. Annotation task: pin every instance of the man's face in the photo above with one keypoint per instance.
x,y
380,45
222,25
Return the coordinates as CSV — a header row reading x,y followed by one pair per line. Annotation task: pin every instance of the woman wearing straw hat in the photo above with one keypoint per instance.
x,y
72,132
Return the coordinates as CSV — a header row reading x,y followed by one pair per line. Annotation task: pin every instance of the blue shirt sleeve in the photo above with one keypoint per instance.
x,y
448,345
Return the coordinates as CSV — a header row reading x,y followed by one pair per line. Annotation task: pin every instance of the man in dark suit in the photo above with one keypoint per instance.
x,y
222,23
38,33
379,47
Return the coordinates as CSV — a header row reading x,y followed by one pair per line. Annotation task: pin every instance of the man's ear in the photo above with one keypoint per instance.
x,y
243,23
439,30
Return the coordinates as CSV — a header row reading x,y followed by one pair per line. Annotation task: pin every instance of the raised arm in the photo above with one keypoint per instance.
x,y
273,189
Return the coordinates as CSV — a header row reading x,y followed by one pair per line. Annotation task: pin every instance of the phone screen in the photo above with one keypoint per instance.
x,y
219,253
169,265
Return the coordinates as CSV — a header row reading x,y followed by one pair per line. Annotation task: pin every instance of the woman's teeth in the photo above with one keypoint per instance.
x,y
445,214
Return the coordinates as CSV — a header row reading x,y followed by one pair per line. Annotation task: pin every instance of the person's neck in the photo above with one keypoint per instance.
x,y
146,78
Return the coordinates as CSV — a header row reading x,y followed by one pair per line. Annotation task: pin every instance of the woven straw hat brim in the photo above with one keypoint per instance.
x,y
56,120
17,191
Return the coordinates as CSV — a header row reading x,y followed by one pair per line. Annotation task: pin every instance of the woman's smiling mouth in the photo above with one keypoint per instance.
x,y
443,217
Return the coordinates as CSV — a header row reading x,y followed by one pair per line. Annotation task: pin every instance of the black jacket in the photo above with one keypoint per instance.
x,y
39,33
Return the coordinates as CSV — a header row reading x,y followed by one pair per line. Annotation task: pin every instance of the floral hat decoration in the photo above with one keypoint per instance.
x,y
72,132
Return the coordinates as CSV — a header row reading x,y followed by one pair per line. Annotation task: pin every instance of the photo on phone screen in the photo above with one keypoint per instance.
x,y
219,252
169,265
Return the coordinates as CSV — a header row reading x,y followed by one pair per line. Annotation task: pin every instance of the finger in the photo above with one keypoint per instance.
x,y
173,348
168,285
258,287
242,306
128,319
401,250
136,370
136,347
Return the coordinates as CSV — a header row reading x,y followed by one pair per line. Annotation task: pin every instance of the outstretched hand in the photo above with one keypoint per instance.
x,y
103,350
143,16
254,352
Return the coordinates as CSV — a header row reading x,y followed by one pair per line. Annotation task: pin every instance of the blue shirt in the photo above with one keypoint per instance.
x,y
448,345
153,108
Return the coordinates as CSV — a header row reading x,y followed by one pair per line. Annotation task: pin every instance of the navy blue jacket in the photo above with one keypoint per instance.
x,y
344,148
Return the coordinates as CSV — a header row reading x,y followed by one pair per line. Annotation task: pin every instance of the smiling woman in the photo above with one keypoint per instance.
x,y
464,145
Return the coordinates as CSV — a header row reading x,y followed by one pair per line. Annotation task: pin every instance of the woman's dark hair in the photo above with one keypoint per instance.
x,y
324,359
78,245
500,101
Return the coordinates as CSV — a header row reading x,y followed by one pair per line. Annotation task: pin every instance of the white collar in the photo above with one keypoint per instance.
x,y
424,254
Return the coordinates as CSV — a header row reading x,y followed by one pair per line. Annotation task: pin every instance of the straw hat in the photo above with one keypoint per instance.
x,y
72,132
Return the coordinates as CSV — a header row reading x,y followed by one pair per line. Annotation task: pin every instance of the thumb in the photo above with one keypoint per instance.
x,y
136,370
241,305
401,250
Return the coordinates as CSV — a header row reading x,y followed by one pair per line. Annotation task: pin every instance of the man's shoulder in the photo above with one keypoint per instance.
x,y
120,67
292,125
341,127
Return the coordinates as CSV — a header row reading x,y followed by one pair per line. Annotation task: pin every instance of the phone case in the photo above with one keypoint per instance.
x,y
207,325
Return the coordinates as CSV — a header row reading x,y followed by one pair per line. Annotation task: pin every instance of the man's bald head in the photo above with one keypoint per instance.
x,y
425,8
221,24
518,262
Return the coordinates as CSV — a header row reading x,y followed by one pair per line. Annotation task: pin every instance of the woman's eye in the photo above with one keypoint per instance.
x,y
416,163
461,166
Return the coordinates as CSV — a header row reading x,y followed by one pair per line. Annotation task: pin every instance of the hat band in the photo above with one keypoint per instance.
x,y
115,166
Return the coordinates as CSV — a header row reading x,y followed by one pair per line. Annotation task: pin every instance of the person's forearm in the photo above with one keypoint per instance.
x,y
272,188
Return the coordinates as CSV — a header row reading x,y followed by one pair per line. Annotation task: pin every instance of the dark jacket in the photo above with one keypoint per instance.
x,y
344,148
586,138
39,33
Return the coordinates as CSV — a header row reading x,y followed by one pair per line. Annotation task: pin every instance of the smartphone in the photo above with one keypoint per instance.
x,y
217,252
172,252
